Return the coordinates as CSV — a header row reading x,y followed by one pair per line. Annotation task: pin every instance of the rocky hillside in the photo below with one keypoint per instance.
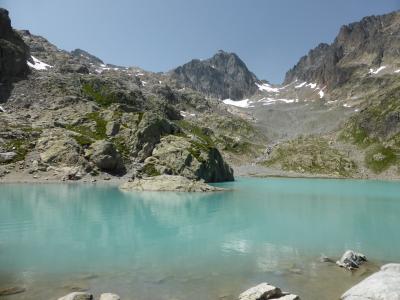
x,y
75,117
223,76
373,43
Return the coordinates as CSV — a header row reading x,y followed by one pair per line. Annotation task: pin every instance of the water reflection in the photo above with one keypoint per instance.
x,y
262,230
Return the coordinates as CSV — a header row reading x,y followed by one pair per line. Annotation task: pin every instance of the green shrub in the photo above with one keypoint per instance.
x,y
379,158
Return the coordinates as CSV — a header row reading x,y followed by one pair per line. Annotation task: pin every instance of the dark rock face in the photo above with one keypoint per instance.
x,y
215,169
223,76
372,42
13,55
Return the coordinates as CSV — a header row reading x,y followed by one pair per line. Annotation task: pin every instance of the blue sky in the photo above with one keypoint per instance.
x,y
158,35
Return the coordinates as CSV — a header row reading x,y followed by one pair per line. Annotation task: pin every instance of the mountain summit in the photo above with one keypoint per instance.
x,y
222,76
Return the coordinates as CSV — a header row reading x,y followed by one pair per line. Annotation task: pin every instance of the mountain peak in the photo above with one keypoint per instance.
x,y
223,76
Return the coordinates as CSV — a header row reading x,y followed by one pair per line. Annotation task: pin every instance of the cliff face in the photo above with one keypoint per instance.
x,y
223,76
13,55
370,43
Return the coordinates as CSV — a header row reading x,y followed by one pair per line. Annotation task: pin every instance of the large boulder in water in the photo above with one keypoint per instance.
x,y
179,156
265,291
383,285
351,260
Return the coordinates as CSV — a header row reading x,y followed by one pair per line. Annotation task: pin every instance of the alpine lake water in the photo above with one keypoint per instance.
x,y
59,238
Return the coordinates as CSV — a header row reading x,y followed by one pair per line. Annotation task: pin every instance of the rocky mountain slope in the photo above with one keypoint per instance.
x,y
372,43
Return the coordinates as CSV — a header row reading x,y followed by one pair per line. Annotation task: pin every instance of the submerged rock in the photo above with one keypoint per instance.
x,y
351,260
109,296
77,296
11,291
168,183
382,285
265,291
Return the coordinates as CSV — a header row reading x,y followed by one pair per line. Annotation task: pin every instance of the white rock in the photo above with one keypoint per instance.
x,y
289,297
351,260
77,296
109,296
7,156
261,292
383,285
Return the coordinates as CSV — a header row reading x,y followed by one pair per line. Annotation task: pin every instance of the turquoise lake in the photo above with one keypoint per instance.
x,y
56,238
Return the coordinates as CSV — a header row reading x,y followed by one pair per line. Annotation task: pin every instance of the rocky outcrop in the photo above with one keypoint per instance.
x,y
223,76
151,128
383,285
266,291
180,156
13,55
351,260
106,157
370,43
171,183
57,147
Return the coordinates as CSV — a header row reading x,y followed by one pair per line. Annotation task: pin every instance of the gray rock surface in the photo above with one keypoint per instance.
x,y
7,156
351,260
265,291
171,183
383,285
77,296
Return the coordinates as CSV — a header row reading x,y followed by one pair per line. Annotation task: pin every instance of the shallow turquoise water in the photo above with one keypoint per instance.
x,y
202,246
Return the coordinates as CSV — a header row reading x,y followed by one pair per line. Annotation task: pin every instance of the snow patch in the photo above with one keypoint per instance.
x,y
2,109
321,94
242,103
312,85
139,74
397,71
372,71
38,65
300,85
144,83
267,87
269,101
346,105
185,114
